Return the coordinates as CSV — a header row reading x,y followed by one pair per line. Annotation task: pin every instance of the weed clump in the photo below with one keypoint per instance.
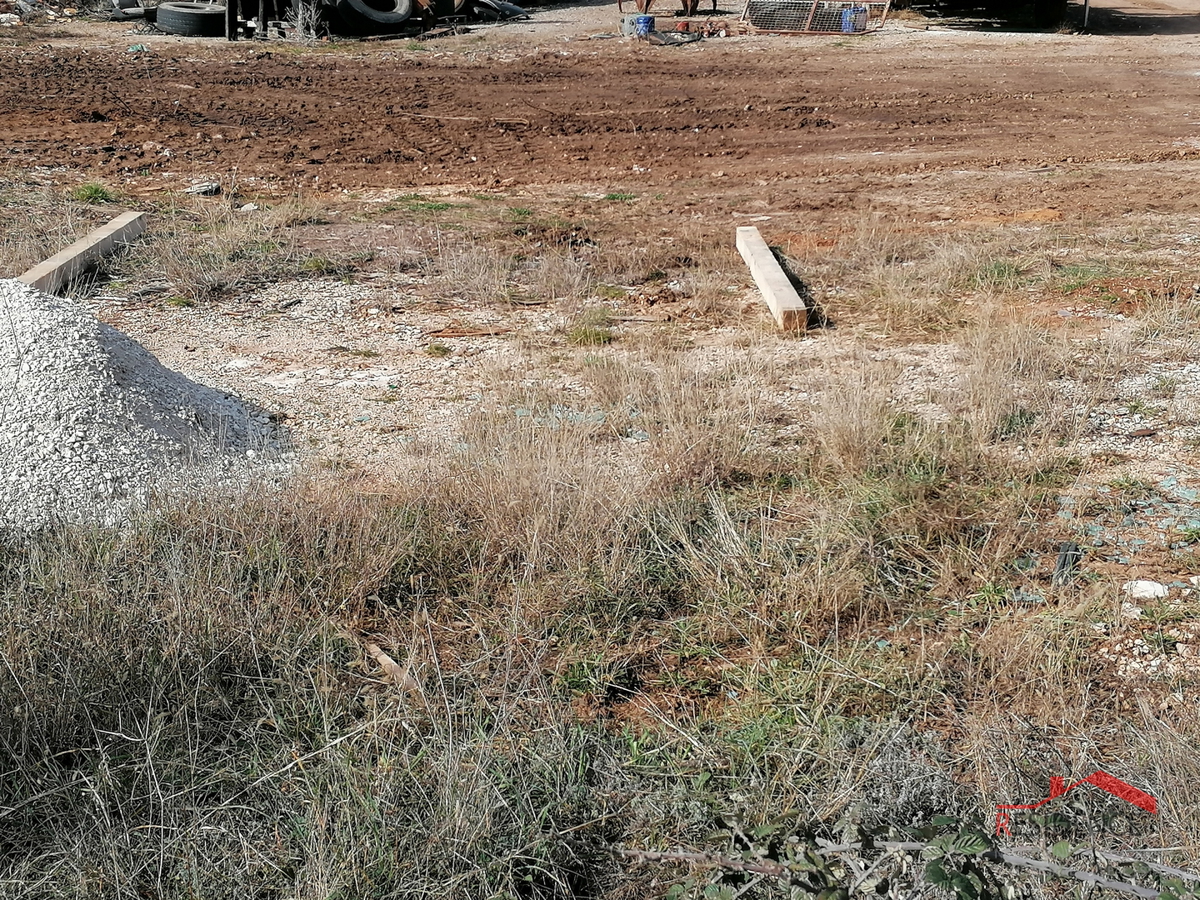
x,y
92,192
593,328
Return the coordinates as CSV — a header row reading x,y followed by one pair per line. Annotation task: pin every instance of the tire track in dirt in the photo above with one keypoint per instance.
x,y
372,121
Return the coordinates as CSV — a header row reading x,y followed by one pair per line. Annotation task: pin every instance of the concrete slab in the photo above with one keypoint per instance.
x,y
786,305
58,270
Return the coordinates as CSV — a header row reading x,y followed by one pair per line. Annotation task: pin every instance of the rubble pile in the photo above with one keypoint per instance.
x,y
90,422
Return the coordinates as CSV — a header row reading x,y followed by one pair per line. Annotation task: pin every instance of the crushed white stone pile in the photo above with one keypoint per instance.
x,y
91,422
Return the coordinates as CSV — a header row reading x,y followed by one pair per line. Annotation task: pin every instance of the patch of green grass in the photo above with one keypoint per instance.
x,y
180,302
1016,423
589,335
597,316
610,291
1132,488
620,197
324,266
438,350
92,192
520,213
990,595
1190,534
998,275
353,351
1076,277
415,203
1165,386
1142,408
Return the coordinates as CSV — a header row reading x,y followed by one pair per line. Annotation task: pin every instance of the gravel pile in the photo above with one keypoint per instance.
x,y
90,422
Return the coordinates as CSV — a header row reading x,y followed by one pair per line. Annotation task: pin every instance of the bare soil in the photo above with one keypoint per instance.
x,y
519,107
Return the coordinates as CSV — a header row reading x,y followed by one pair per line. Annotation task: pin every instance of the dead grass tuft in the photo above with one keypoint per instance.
x,y
472,271
38,223
204,250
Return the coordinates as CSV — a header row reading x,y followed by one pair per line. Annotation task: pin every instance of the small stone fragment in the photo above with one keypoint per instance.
x,y
1144,590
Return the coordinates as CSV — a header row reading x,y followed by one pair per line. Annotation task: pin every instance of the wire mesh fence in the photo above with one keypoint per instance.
x,y
816,16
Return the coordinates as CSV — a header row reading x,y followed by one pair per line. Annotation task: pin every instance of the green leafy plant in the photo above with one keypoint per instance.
x,y
851,860
93,193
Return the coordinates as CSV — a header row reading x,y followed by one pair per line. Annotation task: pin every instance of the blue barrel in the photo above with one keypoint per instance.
x,y
854,19
643,25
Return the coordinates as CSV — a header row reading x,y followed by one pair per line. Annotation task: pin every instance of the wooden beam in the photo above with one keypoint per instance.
x,y
59,269
786,305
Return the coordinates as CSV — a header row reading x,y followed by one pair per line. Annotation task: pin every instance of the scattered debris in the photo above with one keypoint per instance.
x,y
1144,590
1067,565
497,10
446,31
816,16
204,189
673,38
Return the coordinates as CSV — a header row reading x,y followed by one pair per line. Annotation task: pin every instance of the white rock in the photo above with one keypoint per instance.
x,y
1144,590
1129,611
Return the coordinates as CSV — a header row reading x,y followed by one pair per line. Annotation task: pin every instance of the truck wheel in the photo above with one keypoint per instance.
x,y
373,16
191,19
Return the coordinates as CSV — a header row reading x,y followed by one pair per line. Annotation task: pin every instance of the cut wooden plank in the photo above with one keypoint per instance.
x,y
58,270
786,305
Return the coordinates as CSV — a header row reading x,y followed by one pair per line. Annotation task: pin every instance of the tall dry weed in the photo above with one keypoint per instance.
x,y
1006,389
38,223
854,414
202,250
474,272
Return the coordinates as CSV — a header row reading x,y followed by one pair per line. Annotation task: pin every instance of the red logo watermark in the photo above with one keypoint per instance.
x,y
1102,780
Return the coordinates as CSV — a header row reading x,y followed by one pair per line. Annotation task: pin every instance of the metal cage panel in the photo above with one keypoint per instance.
x,y
817,16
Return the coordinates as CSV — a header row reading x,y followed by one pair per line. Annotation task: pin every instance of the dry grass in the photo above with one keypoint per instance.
x,y
39,222
578,638
203,250
916,281
1007,384
472,271
619,611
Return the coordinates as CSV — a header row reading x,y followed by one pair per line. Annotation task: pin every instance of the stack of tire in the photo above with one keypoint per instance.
x,y
191,18
194,18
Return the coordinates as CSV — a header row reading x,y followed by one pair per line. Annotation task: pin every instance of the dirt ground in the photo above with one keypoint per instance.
x,y
538,104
